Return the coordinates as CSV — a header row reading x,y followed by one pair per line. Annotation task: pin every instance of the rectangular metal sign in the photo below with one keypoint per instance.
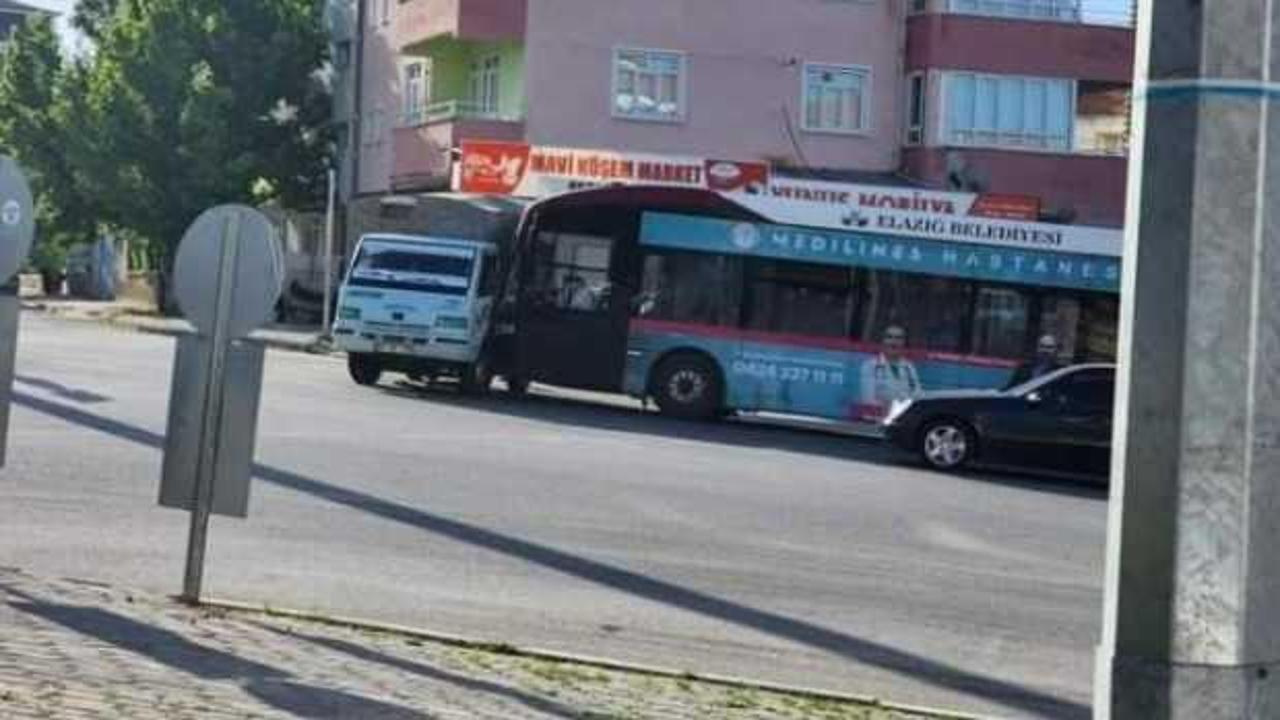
x,y
9,305
237,429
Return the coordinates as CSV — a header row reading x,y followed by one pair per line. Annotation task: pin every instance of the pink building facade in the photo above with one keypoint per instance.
x,y
1029,98
794,82
749,83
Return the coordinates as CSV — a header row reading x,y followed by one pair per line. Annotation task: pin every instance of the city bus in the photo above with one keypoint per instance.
x,y
693,300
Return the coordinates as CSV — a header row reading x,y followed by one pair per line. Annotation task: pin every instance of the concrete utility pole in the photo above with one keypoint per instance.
x,y
1192,626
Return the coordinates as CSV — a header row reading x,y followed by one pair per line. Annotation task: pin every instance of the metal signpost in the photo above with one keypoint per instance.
x,y
17,229
227,277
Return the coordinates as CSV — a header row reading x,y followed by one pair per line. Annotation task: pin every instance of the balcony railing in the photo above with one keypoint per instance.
x,y
1059,10
450,110
1092,12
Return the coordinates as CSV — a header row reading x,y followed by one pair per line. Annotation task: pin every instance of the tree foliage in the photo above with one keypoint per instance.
x,y
191,103
33,84
179,105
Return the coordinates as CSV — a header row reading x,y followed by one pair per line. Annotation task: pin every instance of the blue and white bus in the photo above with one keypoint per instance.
x,y
704,305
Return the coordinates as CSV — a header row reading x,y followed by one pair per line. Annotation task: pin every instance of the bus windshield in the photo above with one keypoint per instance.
x,y
420,267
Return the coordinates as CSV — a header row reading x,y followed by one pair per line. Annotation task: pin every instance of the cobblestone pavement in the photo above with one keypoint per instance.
x,y
73,649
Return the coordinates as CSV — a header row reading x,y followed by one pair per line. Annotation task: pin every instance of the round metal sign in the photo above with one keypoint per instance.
x,y
17,218
243,241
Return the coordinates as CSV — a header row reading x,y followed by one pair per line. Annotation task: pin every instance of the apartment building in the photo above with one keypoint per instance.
x,y
1002,96
811,83
1027,96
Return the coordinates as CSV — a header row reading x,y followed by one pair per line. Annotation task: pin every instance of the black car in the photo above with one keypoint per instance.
x,y
1060,422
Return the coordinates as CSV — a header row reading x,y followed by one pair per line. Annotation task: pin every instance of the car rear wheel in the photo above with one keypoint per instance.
x,y
688,386
364,369
947,444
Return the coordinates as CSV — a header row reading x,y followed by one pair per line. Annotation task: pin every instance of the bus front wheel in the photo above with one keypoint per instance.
x,y
364,369
688,386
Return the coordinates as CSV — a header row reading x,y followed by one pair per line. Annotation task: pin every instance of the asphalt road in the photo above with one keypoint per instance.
x,y
777,554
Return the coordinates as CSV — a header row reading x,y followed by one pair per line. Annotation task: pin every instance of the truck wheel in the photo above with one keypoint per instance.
x,y
689,387
364,369
476,378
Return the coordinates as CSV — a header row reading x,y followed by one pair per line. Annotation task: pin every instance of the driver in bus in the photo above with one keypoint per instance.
x,y
889,376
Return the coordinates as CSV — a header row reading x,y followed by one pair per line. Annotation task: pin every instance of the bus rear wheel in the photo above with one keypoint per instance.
x,y
364,369
689,387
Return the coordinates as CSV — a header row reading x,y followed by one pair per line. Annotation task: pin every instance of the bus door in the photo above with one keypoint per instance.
x,y
573,316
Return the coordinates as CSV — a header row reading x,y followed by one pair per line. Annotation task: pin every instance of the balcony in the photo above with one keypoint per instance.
x,y
454,110
1083,189
422,145
1024,46
422,21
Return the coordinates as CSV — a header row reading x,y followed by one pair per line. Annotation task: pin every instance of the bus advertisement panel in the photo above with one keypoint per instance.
x,y
840,324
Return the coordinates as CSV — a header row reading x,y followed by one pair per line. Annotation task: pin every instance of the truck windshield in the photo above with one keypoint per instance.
x,y
418,267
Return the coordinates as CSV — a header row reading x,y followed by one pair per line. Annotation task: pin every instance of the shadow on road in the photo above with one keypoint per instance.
x,y
269,684
75,395
784,437
917,667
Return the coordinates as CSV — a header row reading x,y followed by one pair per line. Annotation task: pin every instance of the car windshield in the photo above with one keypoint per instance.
x,y
414,266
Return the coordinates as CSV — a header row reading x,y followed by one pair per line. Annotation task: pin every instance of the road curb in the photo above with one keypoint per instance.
x,y
455,640
122,321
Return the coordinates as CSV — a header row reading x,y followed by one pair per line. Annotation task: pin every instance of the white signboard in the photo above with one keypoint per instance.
x,y
1005,220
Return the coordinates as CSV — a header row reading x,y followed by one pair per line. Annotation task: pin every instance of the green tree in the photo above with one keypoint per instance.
x,y
32,130
185,104
92,16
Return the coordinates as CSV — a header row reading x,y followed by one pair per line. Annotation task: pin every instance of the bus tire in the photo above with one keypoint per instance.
x,y
688,386
364,369
476,378
517,386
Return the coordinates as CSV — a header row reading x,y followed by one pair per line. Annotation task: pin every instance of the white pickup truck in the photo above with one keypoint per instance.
x,y
418,305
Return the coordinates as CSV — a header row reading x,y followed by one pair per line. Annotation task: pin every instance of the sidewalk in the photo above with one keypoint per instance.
x,y
76,650
142,317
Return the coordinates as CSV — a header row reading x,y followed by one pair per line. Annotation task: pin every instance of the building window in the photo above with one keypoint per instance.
x,y
916,110
1060,10
417,91
1009,112
836,98
373,127
919,6
649,85
484,84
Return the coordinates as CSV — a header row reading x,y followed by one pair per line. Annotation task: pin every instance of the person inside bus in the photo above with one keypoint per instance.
x,y
1045,361
577,294
888,376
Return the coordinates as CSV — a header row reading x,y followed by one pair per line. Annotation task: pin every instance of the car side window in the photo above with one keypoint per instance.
x,y
1087,391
